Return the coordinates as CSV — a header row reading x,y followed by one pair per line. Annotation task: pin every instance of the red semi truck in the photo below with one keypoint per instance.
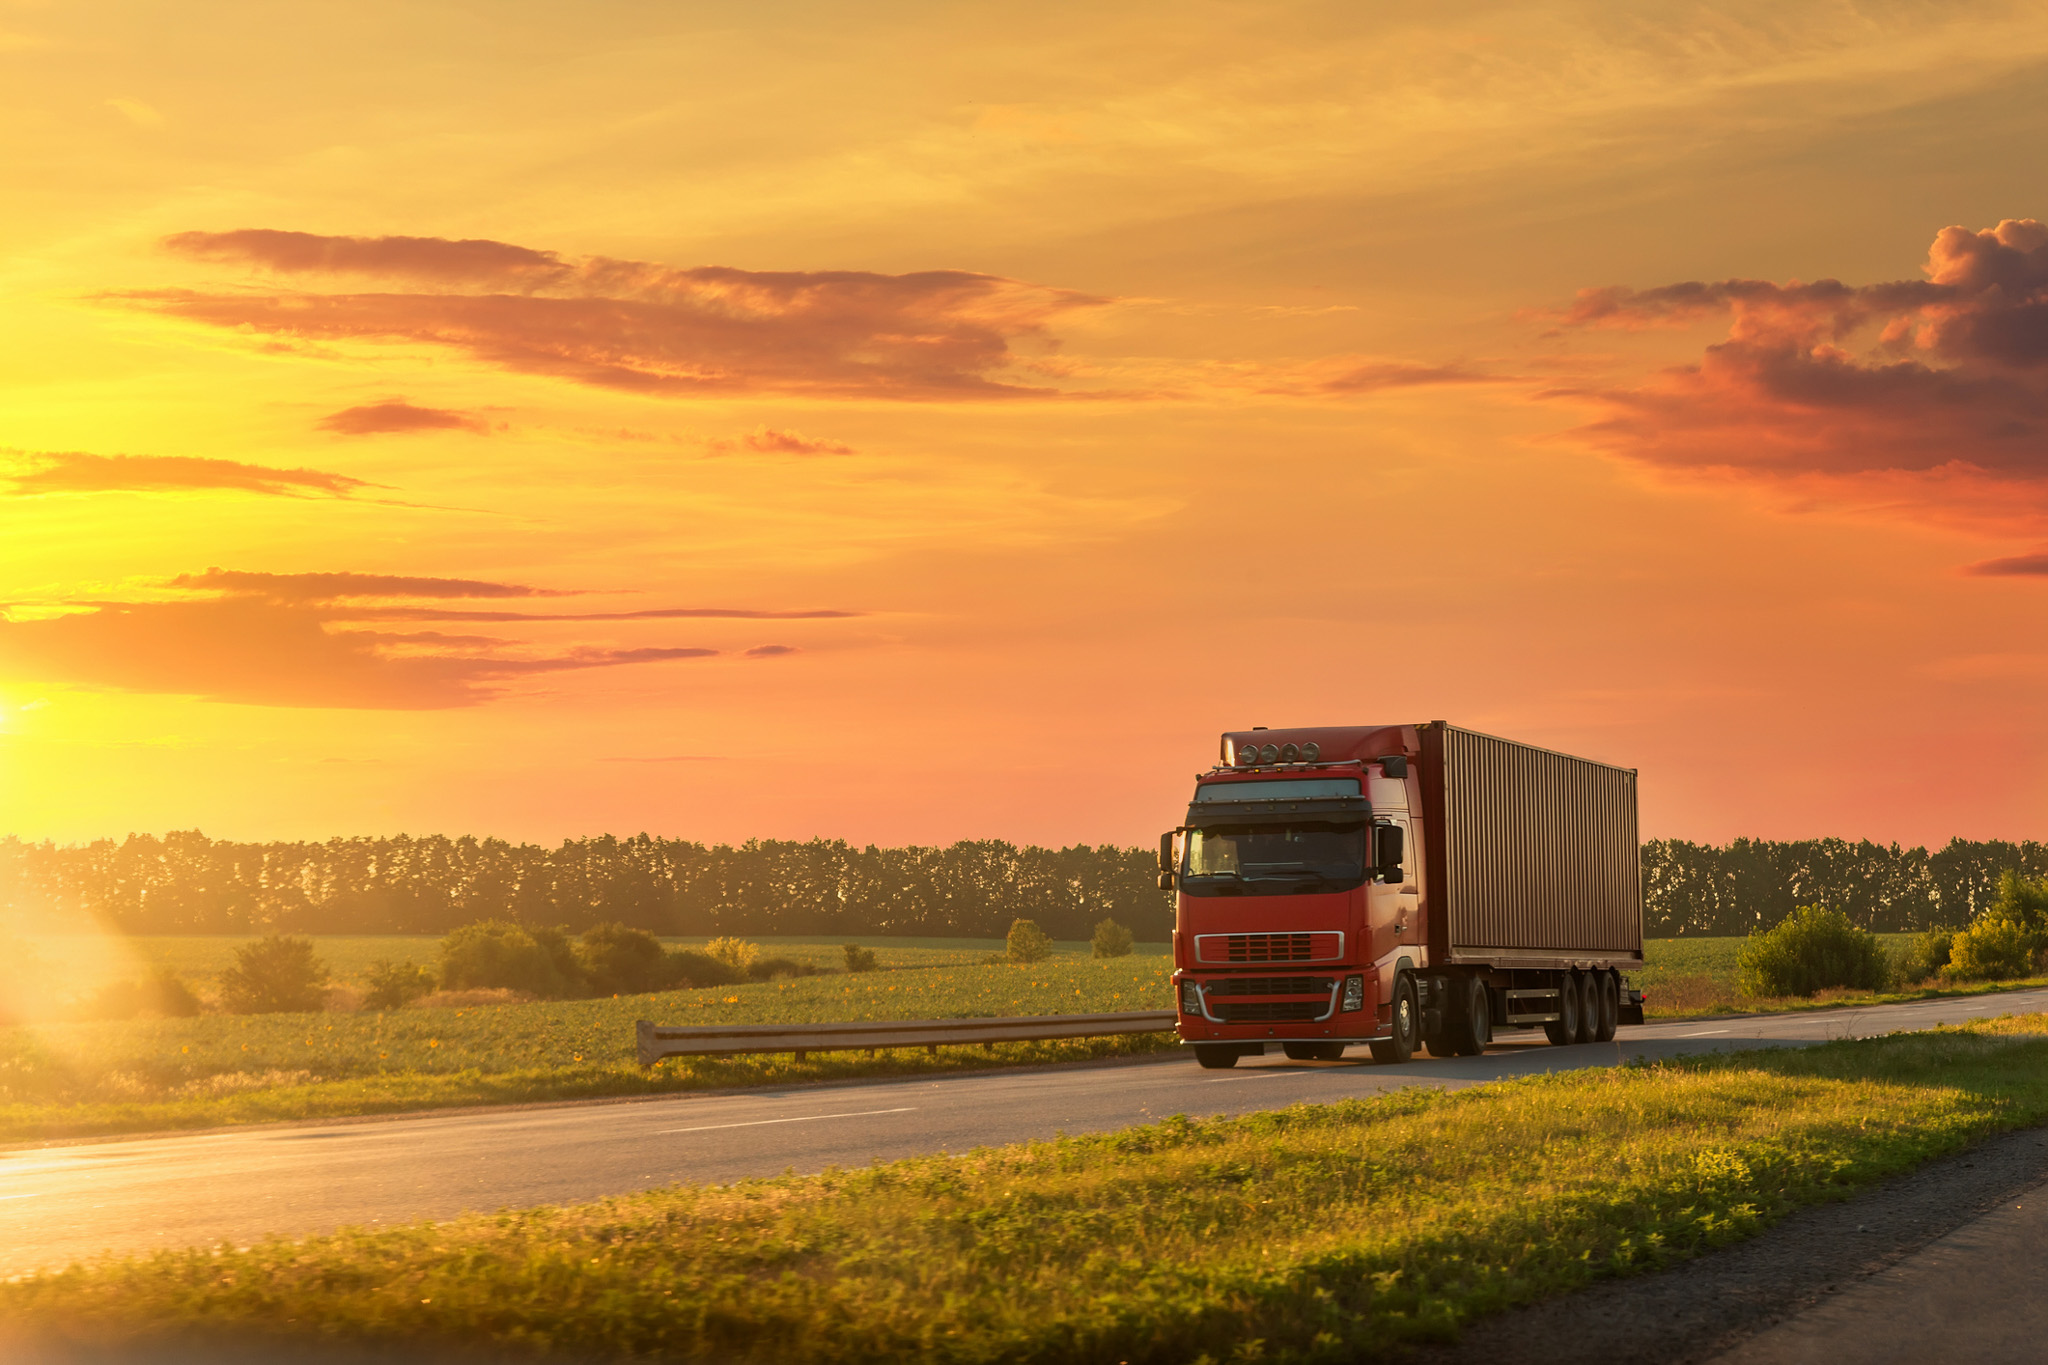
x,y
1401,886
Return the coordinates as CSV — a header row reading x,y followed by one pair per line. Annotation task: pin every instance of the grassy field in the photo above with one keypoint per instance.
x,y
1683,976
1314,1233
61,1080
81,1079
86,962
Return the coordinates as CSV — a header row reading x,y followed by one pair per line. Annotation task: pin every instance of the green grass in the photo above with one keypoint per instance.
x,y
1314,1233
60,1080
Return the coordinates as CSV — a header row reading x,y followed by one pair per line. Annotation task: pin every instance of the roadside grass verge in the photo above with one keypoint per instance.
x,y
1312,1233
1686,977
72,1080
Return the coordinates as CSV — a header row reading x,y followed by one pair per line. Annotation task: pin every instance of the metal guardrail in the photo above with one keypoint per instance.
x,y
659,1040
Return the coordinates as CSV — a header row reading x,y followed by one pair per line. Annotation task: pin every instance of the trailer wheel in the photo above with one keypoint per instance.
x,y
1479,1013
1564,1029
1407,1021
1610,1008
1589,1006
1216,1056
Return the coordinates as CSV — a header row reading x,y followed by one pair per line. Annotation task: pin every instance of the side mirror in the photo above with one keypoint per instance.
x,y
1395,765
1166,861
1389,851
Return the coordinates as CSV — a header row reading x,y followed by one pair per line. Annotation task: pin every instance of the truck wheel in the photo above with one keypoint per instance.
x,y
1479,1013
1564,1030
1407,1019
1610,1008
1589,1006
1467,1025
1216,1057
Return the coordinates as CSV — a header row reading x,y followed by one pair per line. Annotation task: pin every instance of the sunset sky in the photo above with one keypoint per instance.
x,y
914,422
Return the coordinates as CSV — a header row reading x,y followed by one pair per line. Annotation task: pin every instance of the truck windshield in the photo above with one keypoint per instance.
x,y
1312,855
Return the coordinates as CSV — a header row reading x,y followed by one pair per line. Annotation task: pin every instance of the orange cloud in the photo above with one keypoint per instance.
x,y
333,587
770,441
297,640
1949,374
397,415
78,472
635,325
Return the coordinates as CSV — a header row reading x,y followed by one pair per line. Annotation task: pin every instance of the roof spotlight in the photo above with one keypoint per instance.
x,y
1247,755
1290,753
1311,751
1269,753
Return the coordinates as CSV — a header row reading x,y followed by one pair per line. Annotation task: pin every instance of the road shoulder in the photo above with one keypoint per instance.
x,y
1709,1306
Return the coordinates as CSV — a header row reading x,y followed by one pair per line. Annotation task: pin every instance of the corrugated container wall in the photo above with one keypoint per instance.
x,y
1539,851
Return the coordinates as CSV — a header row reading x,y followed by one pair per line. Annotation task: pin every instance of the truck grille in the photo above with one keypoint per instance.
x,y
1309,947
1269,1011
1270,985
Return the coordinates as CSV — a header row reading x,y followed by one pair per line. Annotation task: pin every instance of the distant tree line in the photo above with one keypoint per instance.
x,y
1700,890
186,883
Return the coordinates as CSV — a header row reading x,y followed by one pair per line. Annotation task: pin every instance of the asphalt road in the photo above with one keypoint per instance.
x,y
64,1203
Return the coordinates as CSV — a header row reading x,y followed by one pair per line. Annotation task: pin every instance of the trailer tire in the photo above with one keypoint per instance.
x,y
1589,1005
1479,1014
1564,1030
1610,1008
1400,1047
1216,1056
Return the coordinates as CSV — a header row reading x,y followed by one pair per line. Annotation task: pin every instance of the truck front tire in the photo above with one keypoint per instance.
x,y
1216,1056
1407,1023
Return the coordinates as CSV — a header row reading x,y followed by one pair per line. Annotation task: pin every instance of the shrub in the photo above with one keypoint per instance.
x,y
1028,942
1927,955
393,985
736,953
1995,948
1812,950
165,995
689,969
859,959
275,975
496,955
1111,940
160,994
622,961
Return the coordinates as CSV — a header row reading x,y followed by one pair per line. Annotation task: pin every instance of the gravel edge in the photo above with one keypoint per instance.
x,y
1702,1307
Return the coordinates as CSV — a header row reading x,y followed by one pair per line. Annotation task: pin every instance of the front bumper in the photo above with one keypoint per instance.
x,y
1299,1006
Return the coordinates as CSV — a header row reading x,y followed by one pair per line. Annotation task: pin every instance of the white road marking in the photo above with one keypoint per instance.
x,y
807,1118
1708,1034
37,1194
1266,1074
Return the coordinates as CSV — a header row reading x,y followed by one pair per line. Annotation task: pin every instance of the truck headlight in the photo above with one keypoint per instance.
x,y
1190,998
1354,993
